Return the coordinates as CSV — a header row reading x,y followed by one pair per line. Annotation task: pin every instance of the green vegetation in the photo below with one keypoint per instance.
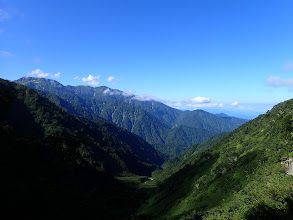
x,y
99,144
55,165
173,165
242,176
169,130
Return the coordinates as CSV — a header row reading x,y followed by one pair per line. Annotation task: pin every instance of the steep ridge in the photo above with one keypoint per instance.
x,y
100,145
245,175
158,124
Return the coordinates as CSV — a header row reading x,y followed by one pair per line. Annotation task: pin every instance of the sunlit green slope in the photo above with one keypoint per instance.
x,y
246,175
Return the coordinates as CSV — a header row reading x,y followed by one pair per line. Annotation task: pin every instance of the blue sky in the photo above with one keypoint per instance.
x,y
232,56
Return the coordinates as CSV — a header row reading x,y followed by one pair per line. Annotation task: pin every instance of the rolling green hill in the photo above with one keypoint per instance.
x,y
245,175
171,131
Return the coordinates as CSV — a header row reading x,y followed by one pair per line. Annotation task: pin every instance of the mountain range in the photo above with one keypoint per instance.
x,y
169,130
61,160
56,164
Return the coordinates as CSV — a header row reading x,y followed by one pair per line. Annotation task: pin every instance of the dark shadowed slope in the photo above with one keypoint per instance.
x,y
58,166
100,145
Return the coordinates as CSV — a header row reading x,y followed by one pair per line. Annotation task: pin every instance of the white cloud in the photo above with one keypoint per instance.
x,y
57,75
204,105
276,81
130,90
144,97
5,53
113,80
4,15
91,80
193,106
148,97
76,78
126,93
41,74
234,104
199,100
110,78
109,91
177,104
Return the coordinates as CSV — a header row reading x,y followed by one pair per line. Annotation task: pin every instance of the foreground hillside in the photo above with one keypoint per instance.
x,y
171,131
59,166
245,175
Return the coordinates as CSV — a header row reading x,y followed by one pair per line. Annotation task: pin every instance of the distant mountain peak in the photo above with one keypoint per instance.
x,y
29,79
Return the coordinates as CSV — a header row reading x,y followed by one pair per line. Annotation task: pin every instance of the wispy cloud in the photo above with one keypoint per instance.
x,y
189,104
91,80
129,91
198,100
113,80
57,75
110,78
126,93
194,103
237,105
41,74
4,15
76,78
276,81
5,54
148,97
192,106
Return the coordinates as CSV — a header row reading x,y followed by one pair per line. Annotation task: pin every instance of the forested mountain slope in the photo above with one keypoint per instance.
x,y
169,130
100,145
58,166
245,175
173,165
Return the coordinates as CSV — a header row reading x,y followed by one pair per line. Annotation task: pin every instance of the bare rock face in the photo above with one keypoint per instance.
x,y
288,164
